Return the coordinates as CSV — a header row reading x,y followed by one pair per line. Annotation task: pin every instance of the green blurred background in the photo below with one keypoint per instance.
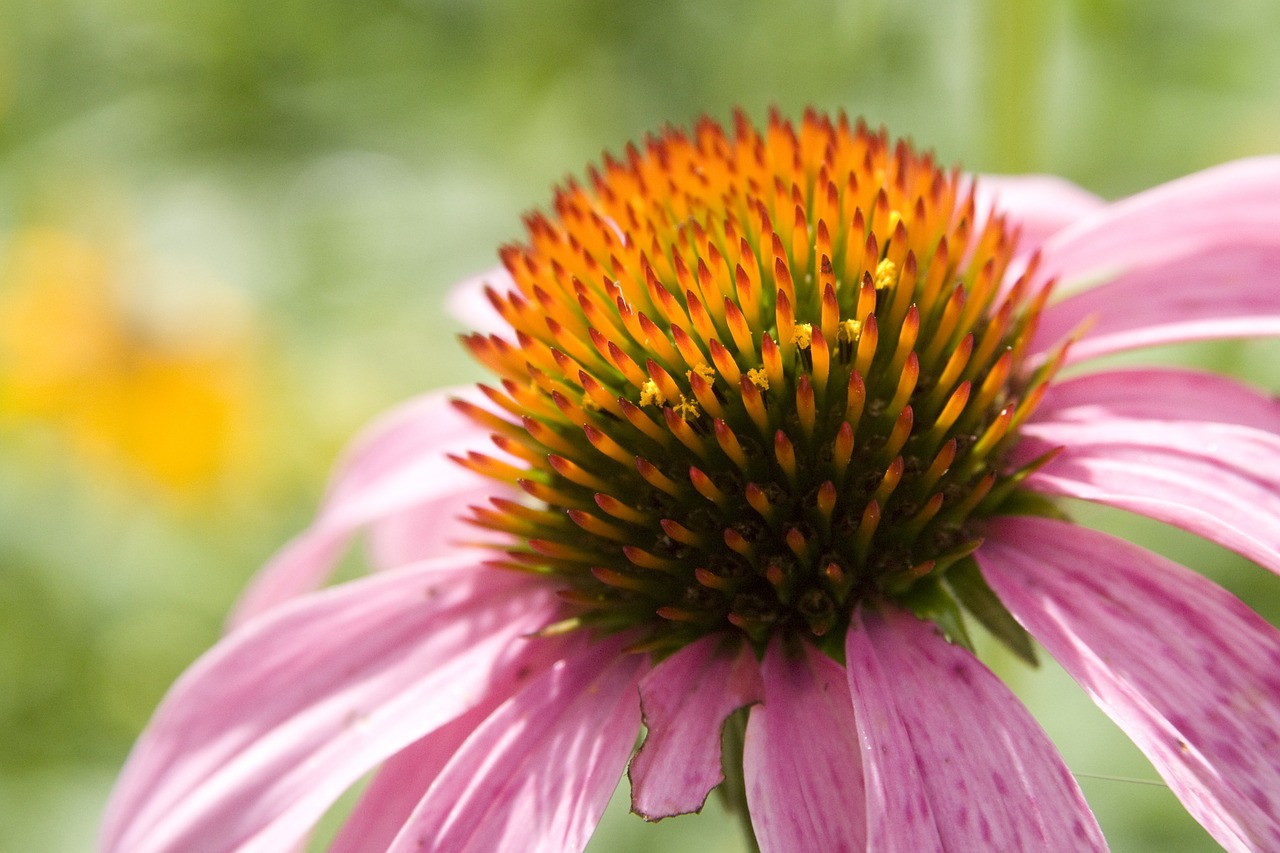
x,y
226,228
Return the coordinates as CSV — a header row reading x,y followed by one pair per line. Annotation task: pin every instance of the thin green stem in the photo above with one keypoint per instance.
x,y
733,790
1016,32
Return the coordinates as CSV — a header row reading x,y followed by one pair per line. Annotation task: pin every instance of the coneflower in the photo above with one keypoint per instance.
x,y
776,416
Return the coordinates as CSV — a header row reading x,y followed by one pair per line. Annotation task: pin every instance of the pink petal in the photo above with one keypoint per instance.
x,y
953,760
257,739
432,529
398,466
1040,205
802,759
1190,260
467,303
1219,481
1159,394
538,773
387,803
1190,673
686,700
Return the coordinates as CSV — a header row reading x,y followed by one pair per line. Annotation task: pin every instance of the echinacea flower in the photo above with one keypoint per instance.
x,y
777,413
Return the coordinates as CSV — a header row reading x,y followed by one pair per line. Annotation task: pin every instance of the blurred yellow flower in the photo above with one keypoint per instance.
x,y
128,381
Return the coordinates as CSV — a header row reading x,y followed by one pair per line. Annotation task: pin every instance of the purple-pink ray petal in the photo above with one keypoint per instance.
x,y
402,781
398,466
1189,672
538,773
1159,394
467,303
1038,205
258,738
1192,259
685,701
430,529
953,760
1219,481
898,813
1225,295
802,759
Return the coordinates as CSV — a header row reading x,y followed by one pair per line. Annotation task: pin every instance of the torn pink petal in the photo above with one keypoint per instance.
x,y
1189,672
467,303
802,759
398,466
685,701
1189,260
1159,394
538,773
1038,205
975,772
1219,481
260,736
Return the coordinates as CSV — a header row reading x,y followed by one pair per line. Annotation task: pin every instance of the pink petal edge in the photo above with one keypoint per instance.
x,y
1189,672
1039,205
975,772
1159,394
1190,260
467,303
402,781
397,467
538,773
685,701
802,759
259,737
1219,481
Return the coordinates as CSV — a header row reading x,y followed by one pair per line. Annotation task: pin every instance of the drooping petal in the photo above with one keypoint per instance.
x,y
686,700
538,773
402,781
1039,205
429,530
468,305
398,466
971,772
1159,394
1219,481
257,739
1189,672
1190,260
802,759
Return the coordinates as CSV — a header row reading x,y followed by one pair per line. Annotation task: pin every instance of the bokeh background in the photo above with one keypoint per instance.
x,y
226,229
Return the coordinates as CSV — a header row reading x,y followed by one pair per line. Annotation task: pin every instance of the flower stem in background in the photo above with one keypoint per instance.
x,y
1013,81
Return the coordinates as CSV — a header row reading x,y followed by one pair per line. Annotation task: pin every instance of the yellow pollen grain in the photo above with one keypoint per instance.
x,y
650,395
758,378
588,404
688,409
706,371
849,331
803,335
894,218
886,274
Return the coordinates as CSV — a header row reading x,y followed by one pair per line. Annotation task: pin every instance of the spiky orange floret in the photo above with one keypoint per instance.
x,y
754,379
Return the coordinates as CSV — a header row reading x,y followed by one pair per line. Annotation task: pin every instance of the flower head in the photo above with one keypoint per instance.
x,y
775,410
731,423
